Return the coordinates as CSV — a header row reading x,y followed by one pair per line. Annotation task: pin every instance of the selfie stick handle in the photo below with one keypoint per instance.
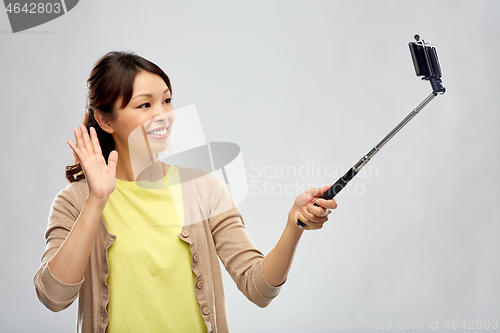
x,y
342,181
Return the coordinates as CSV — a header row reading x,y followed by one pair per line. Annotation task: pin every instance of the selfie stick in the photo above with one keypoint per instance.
x,y
426,64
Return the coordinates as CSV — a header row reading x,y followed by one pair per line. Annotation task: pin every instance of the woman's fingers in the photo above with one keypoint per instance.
x,y
113,159
79,142
86,139
317,210
85,143
324,207
86,146
310,225
328,204
77,151
320,217
95,141
314,216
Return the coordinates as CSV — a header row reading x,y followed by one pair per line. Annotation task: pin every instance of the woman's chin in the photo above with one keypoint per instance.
x,y
160,147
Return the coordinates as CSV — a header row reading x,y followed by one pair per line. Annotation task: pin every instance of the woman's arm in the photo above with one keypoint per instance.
x,y
67,215
72,230
239,255
277,263
69,262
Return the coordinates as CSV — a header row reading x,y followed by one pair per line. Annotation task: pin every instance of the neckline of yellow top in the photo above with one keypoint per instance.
x,y
160,184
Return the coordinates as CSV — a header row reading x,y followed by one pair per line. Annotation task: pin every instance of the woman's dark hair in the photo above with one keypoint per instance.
x,y
112,77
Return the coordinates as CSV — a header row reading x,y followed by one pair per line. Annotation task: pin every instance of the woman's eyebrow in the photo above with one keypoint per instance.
x,y
148,95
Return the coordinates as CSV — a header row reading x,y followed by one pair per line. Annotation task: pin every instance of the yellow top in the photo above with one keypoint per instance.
x,y
151,281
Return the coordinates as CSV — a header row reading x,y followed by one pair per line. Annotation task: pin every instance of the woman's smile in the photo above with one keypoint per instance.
x,y
159,133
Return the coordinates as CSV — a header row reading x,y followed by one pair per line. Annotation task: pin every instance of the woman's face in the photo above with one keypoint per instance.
x,y
151,107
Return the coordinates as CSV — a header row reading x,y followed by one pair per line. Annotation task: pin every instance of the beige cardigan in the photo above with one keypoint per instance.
x,y
213,226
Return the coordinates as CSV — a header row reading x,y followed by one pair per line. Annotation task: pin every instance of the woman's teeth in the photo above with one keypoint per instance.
x,y
162,132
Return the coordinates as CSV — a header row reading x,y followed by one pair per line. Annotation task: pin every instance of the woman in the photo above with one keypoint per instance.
x,y
137,240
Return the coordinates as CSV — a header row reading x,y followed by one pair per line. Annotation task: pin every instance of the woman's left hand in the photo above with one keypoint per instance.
x,y
304,209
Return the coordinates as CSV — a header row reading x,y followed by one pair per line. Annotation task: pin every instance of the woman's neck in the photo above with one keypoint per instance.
x,y
140,168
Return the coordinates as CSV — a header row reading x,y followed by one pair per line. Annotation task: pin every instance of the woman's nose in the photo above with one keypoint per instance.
x,y
161,112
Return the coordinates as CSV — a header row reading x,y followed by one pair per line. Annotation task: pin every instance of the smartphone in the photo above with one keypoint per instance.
x,y
426,62
425,59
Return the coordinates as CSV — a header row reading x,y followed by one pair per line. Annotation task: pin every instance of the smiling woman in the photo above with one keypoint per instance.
x,y
110,87
142,128
139,242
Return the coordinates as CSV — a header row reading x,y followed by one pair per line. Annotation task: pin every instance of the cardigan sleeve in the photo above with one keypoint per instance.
x,y
52,293
237,252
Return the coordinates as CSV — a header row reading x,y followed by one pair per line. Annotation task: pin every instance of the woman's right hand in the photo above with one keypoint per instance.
x,y
100,177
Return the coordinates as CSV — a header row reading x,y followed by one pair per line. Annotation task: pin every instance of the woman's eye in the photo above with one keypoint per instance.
x,y
146,105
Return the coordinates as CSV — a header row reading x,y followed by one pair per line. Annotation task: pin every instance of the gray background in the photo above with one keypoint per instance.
x,y
297,84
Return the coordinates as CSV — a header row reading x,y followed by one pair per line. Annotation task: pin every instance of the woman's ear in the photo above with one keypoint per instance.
x,y
103,121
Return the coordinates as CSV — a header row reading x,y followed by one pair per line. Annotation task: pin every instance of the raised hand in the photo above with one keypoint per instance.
x,y
100,176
